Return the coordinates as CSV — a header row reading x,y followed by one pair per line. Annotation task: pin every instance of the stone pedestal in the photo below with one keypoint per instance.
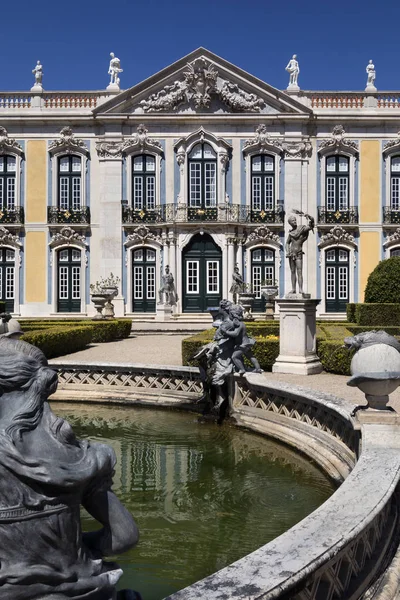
x,y
163,312
297,337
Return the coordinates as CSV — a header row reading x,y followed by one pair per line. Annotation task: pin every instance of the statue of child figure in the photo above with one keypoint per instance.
x,y
243,343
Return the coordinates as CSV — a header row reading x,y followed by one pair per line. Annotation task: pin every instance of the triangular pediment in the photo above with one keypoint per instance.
x,y
204,83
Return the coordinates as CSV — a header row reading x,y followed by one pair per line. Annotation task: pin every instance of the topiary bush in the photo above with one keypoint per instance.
x,y
58,341
383,283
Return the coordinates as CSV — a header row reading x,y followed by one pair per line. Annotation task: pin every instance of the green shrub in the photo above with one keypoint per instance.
x,y
335,358
103,331
351,312
266,352
58,341
390,329
333,331
192,344
377,314
383,283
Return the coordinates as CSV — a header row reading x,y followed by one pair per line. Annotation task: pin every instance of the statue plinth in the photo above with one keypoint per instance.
x,y
37,88
164,312
297,336
371,88
113,87
293,88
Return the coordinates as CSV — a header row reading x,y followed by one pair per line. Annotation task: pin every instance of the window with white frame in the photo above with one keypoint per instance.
x,y
337,183
262,182
202,176
70,182
143,182
395,183
8,168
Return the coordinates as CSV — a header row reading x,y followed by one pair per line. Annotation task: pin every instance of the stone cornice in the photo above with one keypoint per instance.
x,y
262,143
393,239
8,239
392,146
142,235
337,235
66,237
263,235
67,143
9,145
338,143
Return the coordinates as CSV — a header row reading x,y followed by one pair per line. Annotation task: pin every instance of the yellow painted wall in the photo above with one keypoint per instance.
x,y
36,188
36,266
369,256
370,177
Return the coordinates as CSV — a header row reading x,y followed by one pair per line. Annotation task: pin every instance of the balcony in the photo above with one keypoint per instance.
x,y
390,216
338,217
12,216
181,213
61,216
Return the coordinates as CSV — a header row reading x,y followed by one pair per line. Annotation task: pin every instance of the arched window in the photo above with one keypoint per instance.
x,y
7,277
395,252
395,183
144,182
337,184
8,168
336,279
262,273
69,182
262,183
202,179
69,280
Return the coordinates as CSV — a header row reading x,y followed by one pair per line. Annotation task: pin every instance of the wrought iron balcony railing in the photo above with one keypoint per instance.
x,y
12,216
391,216
225,213
68,215
333,217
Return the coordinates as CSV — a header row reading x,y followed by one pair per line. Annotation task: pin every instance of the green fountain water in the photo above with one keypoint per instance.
x,y
203,495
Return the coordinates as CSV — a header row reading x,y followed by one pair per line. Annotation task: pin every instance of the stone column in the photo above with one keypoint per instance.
x,y
239,255
231,264
110,223
297,337
225,274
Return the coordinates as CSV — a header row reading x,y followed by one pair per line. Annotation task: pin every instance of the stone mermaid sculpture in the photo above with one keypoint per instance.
x,y
47,474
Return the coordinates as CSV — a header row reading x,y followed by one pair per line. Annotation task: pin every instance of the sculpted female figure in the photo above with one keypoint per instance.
x,y
46,474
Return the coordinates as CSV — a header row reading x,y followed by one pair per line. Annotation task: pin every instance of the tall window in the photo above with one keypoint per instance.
x,y
262,273
8,167
7,277
337,183
395,183
70,182
336,279
202,177
262,183
143,182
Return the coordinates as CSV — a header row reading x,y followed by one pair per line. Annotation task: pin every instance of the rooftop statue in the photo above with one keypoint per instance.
x,y
294,250
47,474
114,70
371,75
293,69
38,73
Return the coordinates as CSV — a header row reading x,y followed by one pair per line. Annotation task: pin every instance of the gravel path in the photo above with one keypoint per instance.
x,y
166,350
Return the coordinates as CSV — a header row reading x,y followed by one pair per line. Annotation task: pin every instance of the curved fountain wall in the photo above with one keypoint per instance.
x,y
347,548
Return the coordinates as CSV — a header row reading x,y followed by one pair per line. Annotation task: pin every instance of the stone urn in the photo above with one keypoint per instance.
x,y
246,300
110,293
375,371
269,292
99,300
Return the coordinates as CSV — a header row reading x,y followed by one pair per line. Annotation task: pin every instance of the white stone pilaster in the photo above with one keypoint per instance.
x,y
231,265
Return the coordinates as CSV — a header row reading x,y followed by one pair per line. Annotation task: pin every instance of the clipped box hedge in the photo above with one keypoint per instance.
x,y
103,331
58,341
377,314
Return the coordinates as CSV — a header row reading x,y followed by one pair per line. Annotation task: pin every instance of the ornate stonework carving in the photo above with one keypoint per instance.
x,y
68,143
337,235
142,235
8,144
141,141
393,239
263,235
110,149
392,145
262,142
200,84
297,149
68,236
8,239
338,142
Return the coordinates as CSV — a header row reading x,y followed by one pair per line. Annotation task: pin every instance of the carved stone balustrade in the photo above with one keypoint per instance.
x,y
62,216
342,217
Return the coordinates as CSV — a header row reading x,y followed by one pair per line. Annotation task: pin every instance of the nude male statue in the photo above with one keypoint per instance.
x,y
294,244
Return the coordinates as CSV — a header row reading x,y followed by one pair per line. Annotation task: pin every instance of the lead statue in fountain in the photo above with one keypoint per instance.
x,y
46,475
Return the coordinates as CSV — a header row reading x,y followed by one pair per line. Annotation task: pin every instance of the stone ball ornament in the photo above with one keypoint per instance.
x,y
375,367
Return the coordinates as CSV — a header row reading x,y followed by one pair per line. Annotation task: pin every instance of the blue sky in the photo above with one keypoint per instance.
x,y
73,38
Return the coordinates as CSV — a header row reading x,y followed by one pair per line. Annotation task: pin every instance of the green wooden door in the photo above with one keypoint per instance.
x,y
144,280
202,274
262,273
336,279
7,277
69,280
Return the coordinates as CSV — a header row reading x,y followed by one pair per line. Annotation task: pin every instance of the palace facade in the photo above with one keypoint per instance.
x,y
197,167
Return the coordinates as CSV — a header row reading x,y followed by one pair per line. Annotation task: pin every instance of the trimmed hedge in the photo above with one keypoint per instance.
x,y
58,341
377,314
335,358
103,331
351,312
383,285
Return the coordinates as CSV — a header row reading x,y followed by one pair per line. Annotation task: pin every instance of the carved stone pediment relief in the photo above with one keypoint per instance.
x,y
262,142
8,239
141,142
393,239
67,236
301,149
200,85
263,235
68,143
110,149
142,235
337,235
392,146
338,143
8,144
